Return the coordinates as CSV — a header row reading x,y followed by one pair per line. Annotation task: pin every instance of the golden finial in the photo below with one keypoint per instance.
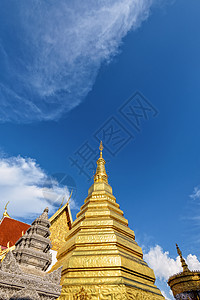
x,y
5,214
101,148
70,196
184,265
100,175
62,202
67,200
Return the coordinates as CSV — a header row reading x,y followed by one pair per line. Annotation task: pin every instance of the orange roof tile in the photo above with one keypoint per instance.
x,y
11,231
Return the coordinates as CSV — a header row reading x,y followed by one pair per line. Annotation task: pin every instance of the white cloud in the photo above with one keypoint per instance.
x,y
193,262
28,188
59,48
164,294
164,266
161,263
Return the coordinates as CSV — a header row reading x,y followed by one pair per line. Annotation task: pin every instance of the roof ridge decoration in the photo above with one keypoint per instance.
x,y
59,211
67,200
5,214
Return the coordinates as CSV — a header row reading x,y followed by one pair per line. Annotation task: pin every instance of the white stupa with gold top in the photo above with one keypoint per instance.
x,y
100,258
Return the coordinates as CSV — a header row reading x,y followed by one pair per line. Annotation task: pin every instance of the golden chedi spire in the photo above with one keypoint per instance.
x,y
185,285
100,175
100,178
100,257
183,263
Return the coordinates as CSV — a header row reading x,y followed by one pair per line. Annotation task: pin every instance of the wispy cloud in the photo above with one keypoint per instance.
x,y
51,51
191,215
28,188
196,193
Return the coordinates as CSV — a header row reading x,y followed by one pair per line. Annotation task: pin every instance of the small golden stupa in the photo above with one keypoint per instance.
x,y
185,285
100,258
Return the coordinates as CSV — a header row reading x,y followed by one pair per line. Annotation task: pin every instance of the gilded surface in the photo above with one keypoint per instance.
x,y
103,292
81,295
60,225
3,252
184,282
100,257
5,214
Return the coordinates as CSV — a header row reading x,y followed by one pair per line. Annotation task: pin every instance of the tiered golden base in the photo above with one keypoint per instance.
x,y
106,292
101,259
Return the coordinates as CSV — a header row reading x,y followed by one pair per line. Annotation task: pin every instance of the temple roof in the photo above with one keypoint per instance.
x,y
11,230
66,208
61,223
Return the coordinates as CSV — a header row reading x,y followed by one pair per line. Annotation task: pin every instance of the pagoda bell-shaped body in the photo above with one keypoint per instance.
x,y
100,258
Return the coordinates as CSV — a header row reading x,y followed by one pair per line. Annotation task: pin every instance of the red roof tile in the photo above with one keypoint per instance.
x,y
11,231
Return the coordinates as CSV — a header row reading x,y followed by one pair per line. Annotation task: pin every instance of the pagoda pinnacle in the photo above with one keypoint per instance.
x,y
184,265
100,175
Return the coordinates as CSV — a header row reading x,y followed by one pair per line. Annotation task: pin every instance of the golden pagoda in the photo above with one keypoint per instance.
x,y
100,257
185,285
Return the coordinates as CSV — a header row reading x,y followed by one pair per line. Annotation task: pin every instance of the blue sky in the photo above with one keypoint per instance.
x,y
66,71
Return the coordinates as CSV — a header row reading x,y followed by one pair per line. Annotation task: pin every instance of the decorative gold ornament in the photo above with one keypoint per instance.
x,y
100,254
100,175
3,252
5,214
81,295
185,281
60,224
67,200
183,263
